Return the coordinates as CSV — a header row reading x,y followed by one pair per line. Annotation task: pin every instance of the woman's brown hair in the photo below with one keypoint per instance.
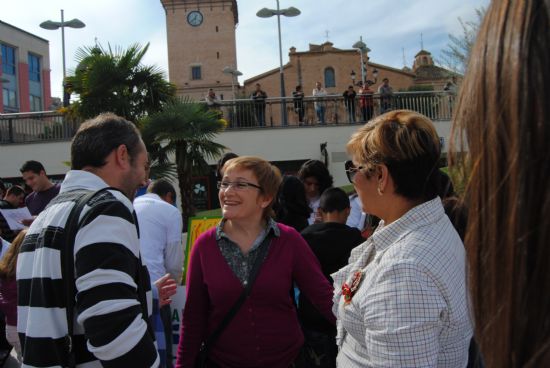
x,y
408,144
268,176
502,115
8,263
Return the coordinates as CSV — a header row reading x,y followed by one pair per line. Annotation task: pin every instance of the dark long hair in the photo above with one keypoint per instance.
x,y
502,114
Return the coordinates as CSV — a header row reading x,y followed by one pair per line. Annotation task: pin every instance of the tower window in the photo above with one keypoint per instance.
x,y
330,79
218,54
217,30
196,72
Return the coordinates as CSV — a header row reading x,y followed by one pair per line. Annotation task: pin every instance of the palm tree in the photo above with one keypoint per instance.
x,y
185,129
115,80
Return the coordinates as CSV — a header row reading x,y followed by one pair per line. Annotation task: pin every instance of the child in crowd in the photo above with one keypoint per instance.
x,y
8,291
331,241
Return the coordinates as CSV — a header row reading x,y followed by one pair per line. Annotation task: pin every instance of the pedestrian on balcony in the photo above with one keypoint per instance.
x,y
366,100
386,95
259,96
319,92
349,102
298,96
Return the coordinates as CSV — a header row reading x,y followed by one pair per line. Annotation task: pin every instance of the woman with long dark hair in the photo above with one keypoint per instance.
x,y
502,113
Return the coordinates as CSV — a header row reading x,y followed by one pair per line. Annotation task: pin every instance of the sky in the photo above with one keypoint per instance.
x,y
387,26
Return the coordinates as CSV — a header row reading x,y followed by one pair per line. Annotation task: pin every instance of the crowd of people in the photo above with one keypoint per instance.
x,y
403,272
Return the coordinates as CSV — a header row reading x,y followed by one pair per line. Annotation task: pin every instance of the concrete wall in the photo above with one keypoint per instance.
x,y
300,143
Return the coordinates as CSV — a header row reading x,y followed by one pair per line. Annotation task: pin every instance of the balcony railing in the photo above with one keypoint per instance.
x,y
247,114
332,109
36,127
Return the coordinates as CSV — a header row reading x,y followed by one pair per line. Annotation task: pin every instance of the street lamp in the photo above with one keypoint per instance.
x,y
234,73
288,12
362,48
51,25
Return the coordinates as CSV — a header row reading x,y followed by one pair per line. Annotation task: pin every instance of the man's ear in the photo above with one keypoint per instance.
x,y
122,157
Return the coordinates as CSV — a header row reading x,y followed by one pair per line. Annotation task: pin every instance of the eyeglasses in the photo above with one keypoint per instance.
x,y
351,170
237,185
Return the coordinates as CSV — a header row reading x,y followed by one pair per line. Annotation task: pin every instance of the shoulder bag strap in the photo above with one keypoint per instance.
x,y
67,271
262,253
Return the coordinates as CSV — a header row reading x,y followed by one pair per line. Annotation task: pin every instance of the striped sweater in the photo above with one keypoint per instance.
x,y
110,329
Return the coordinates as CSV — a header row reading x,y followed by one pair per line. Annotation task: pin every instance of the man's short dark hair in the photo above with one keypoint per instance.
x,y
334,199
98,137
33,166
162,187
15,190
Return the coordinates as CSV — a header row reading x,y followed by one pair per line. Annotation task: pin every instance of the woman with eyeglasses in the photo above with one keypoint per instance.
x,y
402,300
264,330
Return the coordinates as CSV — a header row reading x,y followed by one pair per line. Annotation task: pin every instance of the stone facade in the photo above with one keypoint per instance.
x,y
307,68
209,45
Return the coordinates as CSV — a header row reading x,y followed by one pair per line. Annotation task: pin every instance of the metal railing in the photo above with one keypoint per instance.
x,y
334,109
247,114
36,127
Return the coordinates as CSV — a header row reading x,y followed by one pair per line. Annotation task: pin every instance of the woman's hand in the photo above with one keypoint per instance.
x,y
166,287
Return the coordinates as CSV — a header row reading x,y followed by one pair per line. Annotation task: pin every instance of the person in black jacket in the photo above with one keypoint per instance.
x,y
331,241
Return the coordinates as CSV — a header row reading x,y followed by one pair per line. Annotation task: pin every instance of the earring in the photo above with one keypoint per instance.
x,y
380,192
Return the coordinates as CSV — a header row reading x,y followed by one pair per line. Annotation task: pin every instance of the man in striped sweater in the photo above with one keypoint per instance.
x,y
113,300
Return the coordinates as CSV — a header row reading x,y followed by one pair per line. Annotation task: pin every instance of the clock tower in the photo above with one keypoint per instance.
x,y
201,43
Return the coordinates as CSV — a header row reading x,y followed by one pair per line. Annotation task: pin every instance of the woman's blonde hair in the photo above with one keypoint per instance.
x,y
407,143
268,176
8,263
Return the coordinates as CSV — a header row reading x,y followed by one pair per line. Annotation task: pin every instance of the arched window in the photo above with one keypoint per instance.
x,y
330,79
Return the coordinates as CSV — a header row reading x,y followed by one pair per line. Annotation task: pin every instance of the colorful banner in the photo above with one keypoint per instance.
x,y
197,226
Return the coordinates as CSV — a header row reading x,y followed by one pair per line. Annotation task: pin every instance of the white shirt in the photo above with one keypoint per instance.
x,y
314,205
357,217
319,93
411,308
160,226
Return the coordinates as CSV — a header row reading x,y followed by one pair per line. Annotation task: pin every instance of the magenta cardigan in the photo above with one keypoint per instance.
x,y
265,332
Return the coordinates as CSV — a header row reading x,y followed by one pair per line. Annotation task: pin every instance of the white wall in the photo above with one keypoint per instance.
x,y
272,144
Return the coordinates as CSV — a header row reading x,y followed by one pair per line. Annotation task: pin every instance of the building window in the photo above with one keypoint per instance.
x,y
8,60
218,54
9,98
34,68
330,80
196,72
217,30
35,103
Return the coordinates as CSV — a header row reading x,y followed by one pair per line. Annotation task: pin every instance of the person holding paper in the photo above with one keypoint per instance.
x,y
15,195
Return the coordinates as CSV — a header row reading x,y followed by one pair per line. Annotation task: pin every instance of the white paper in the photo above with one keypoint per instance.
x,y
14,217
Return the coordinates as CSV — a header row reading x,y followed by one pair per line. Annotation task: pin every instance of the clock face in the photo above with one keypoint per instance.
x,y
194,18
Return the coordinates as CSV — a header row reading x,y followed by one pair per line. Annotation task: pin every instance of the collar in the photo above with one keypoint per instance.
x,y
80,179
271,228
151,196
419,216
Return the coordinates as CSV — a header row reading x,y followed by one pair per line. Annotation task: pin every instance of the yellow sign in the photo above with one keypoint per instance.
x,y
197,226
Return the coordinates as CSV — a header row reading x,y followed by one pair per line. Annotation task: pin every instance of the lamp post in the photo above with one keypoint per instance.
x,y
234,73
52,25
362,48
288,12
